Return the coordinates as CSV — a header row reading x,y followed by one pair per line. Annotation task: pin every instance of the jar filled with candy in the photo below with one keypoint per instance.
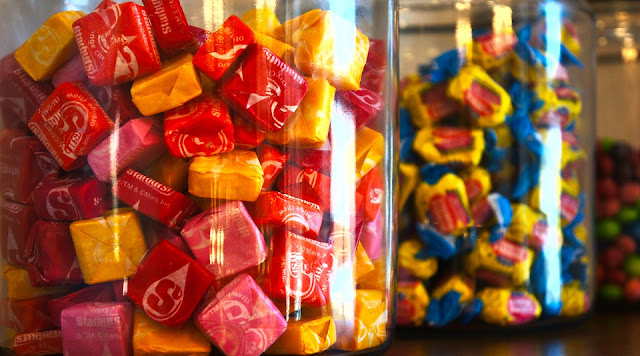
x,y
186,177
617,153
495,179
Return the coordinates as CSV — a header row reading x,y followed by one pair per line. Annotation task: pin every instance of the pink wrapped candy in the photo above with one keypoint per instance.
x,y
115,101
97,329
102,293
241,320
225,239
72,71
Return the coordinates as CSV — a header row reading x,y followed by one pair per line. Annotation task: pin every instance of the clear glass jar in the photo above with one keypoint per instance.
x,y
181,179
496,147
617,155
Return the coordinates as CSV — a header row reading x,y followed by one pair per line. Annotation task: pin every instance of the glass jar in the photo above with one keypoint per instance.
x,y
495,168
617,155
201,174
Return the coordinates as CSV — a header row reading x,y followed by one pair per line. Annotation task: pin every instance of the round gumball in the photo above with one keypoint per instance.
x,y
626,244
621,152
606,166
610,207
627,215
612,257
617,277
607,188
623,173
632,266
605,144
610,292
607,229
630,193
632,290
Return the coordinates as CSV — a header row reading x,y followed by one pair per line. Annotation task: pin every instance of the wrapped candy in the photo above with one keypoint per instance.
x,y
16,223
151,338
71,71
127,50
153,199
371,318
449,299
369,150
375,69
575,301
530,227
409,259
38,343
241,319
261,19
305,337
503,258
50,46
71,198
409,180
235,175
116,101
371,187
443,145
309,125
493,49
19,288
363,105
173,85
102,293
413,301
223,48
281,211
70,123
20,97
170,171
477,183
256,89
139,142
247,136
168,285
51,258
109,326
155,232
272,162
320,183
283,50
169,24
30,315
109,247
202,127
508,307
299,269
225,239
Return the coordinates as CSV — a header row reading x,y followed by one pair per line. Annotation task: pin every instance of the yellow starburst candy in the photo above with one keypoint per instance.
x,y
362,264
19,287
370,329
422,269
151,338
376,279
50,46
170,87
285,31
308,127
262,20
369,150
305,337
235,175
170,171
283,50
110,247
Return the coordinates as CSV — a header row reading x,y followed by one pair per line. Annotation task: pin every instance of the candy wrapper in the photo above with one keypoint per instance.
x,y
449,300
410,259
71,71
169,24
265,105
305,337
20,97
109,324
282,211
443,145
493,49
370,148
71,198
247,136
501,263
170,171
477,183
261,19
283,50
225,239
116,101
375,69
19,288
30,315
110,247
235,175
16,223
50,46
413,301
38,343
139,142
371,186
429,105
224,47
299,269
51,258
170,87
363,105
70,123
320,183
102,293
370,321
151,338
508,307
127,50
168,285
530,228
154,199
575,301
241,319
272,162
202,127
409,177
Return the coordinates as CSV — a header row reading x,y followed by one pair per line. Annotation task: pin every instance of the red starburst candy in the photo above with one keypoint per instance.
x,y
169,24
70,123
320,183
47,342
264,89
247,136
202,127
154,199
317,159
363,105
299,269
21,96
281,211
115,101
223,47
371,186
102,293
375,69
71,198
272,162
16,222
116,44
169,284
28,315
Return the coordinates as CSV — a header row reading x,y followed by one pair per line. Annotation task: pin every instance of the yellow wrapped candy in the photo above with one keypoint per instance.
x,y
444,145
569,38
170,171
262,20
19,287
370,329
422,269
502,257
488,101
110,247
235,175
504,306
170,87
458,284
285,31
305,337
493,49
525,72
529,227
285,51
575,301
152,338
308,127
549,100
369,150
445,204
376,279
362,263
409,179
319,38
477,183
50,46
413,301
412,97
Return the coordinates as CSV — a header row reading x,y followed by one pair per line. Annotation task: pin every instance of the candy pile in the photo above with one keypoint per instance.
x,y
491,219
166,188
618,221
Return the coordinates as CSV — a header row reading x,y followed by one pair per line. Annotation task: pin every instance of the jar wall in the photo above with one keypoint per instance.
x,y
496,147
198,182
